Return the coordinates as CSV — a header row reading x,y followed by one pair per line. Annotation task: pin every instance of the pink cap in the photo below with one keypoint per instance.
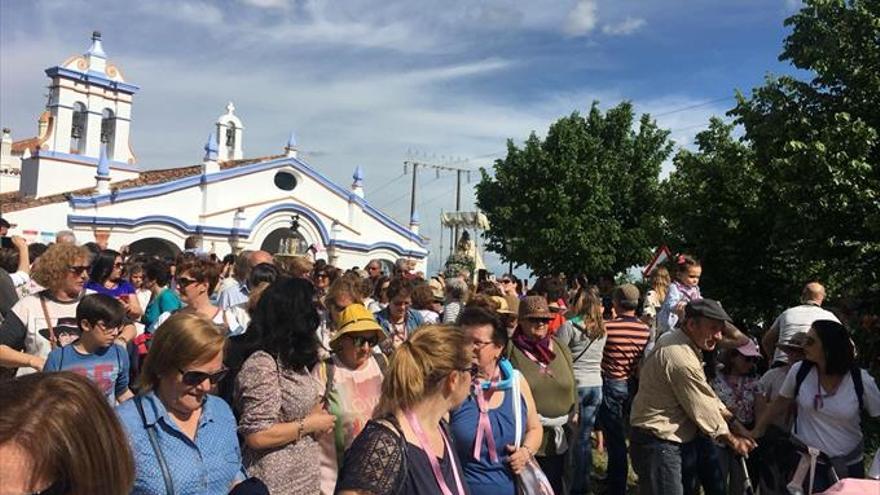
x,y
749,350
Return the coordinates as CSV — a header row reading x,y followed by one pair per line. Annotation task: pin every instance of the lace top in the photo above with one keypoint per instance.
x,y
382,462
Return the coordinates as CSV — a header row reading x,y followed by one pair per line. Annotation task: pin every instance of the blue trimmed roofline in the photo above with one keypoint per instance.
x,y
92,77
188,229
230,173
87,160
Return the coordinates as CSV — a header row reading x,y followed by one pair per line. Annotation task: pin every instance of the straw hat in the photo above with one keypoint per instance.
x,y
355,318
503,307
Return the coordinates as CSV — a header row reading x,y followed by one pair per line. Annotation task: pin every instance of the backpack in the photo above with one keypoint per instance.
x,y
855,372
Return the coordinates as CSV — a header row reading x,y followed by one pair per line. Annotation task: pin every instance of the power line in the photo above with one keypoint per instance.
x,y
691,107
392,181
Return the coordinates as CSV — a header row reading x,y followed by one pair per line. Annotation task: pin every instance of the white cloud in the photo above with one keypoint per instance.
x,y
582,18
268,4
626,27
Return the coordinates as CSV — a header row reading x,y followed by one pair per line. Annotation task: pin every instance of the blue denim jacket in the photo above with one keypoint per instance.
x,y
209,465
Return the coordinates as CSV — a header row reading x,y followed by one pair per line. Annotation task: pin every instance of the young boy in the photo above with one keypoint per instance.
x,y
94,354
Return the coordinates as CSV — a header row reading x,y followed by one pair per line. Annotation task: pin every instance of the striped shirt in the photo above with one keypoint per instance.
x,y
627,338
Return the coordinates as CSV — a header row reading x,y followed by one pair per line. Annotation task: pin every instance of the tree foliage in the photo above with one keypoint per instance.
x,y
582,200
799,197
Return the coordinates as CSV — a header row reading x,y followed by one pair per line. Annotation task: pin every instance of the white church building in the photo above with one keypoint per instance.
x,y
80,173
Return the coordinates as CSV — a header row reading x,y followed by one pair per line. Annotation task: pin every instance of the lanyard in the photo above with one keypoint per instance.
x,y
484,426
435,466
543,368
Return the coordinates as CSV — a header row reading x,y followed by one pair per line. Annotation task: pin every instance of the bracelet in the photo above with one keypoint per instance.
x,y
302,429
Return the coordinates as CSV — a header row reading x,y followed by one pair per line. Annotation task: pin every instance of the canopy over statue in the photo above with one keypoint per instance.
x,y
466,256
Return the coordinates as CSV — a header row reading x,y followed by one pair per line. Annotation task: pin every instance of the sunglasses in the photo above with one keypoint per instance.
x,y
322,275
473,370
538,321
360,340
77,269
506,281
184,282
118,265
193,378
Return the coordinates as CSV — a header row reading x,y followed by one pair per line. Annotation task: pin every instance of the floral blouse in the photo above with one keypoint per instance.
x,y
738,395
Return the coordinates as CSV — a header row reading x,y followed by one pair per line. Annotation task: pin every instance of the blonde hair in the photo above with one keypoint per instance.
x,y
660,281
184,339
419,366
63,422
51,268
588,305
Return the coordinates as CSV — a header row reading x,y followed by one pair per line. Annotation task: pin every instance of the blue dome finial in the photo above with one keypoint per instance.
x,y
291,141
103,163
358,175
211,148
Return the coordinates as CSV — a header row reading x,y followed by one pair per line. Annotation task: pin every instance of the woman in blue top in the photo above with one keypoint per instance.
x,y
484,426
183,439
105,277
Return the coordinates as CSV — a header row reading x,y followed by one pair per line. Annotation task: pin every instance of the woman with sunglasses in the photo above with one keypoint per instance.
x,y
352,380
58,436
281,414
407,448
105,277
40,322
196,279
485,425
547,367
183,438
829,391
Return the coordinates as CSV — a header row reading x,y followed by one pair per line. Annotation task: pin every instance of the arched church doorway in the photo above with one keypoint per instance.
x,y
154,246
273,242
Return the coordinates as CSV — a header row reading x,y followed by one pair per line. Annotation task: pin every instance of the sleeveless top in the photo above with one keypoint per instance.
x,y
484,476
382,462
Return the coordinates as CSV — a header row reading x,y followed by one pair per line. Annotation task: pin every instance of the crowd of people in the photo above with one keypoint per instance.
x,y
128,373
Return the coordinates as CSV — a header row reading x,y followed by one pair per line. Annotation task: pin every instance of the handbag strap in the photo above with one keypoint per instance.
x,y
49,325
517,409
154,442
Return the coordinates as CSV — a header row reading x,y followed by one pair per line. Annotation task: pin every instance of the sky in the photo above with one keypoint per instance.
x,y
377,83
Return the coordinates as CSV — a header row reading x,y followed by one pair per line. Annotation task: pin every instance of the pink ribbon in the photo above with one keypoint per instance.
x,y
484,426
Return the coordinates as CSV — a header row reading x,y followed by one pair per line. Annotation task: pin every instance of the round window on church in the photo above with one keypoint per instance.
x,y
285,181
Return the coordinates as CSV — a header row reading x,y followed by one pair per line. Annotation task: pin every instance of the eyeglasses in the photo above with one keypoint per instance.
x,y
77,269
193,378
360,340
506,281
480,344
184,282
108,330
118,265
538,321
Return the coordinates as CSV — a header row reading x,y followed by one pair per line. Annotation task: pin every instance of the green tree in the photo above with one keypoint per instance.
x,y
798,198
582,200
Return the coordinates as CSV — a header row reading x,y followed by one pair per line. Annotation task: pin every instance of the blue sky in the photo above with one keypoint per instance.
x,y
369,82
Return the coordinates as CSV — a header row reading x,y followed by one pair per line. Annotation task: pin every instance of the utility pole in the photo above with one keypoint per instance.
x,y
457,201
412,198
458,172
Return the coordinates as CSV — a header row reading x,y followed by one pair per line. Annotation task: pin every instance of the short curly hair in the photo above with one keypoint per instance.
x,y
51,269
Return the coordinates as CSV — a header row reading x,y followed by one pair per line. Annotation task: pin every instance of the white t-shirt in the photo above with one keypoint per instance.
x,y
231,318
835,427
769,385
26,327
797,320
